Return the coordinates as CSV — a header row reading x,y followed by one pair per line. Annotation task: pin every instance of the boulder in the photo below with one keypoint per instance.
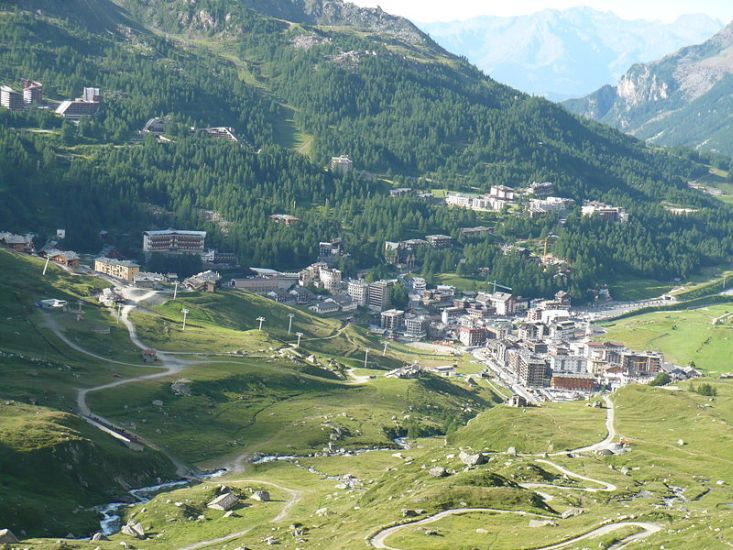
x,y
262,496
542,523
472,460
438,471
98,537
571,513
135,530
407,513
511,451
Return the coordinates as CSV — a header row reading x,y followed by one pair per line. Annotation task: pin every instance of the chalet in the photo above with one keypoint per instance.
x,y
206,281
19,243
66,258
345,302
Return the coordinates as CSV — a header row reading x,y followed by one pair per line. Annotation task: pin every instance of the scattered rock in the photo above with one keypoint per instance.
x,y
438,471
571,513
262,496
157,403
135,530
681,442
481,531
511,451
407,513
97,537
322,512
472,460
542,523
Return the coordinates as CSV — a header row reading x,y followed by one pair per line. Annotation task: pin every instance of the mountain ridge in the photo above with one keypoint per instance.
x,y
681,99
565,53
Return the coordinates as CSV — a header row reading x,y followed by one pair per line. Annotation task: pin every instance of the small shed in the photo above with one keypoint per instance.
x,y
224,502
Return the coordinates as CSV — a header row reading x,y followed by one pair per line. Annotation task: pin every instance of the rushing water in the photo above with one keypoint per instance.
x,y
111,521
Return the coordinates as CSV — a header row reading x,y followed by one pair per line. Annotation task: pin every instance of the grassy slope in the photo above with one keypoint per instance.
x,y
652,419
554,427
56,467
683,336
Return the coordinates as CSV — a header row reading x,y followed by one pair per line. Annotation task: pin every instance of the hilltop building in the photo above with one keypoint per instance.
x,y
32,92
439,241
416,327
86,105
174,241
221,132
10,99
392,319
341,165
380,295
359,292
266,280
285,219
604,212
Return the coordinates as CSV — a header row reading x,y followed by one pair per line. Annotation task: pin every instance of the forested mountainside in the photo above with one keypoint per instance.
x,y
682,99
334,80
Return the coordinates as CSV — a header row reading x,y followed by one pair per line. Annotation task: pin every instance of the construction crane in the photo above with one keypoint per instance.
x,y
497,285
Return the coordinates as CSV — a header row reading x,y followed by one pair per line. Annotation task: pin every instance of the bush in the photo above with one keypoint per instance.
x,y
662,379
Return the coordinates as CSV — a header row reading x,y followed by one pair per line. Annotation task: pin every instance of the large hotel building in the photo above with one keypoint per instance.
x,y
174,241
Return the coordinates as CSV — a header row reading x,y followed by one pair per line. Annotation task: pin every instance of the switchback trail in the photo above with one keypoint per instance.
x,y
379,540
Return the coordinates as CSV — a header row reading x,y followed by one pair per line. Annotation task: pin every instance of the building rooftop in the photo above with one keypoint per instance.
x,y
163,232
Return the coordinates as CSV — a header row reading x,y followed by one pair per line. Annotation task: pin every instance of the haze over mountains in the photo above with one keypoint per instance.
x,y
564,54
683,99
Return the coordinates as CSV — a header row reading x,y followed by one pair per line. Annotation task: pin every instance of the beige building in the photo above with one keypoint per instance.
x,y
120,269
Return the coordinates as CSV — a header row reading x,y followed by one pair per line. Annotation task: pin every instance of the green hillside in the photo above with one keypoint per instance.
x,y
327,83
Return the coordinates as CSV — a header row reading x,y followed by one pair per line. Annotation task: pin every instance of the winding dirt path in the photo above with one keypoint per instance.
x,y
293,499
380,539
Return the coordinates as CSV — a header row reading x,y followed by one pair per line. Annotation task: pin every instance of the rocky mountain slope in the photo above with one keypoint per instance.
x,y
568,53
683,99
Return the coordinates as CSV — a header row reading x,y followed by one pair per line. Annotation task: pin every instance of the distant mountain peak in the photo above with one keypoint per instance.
x,y
681,99
566,53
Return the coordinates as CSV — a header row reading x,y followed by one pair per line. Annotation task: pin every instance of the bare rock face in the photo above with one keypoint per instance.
x,y
339,13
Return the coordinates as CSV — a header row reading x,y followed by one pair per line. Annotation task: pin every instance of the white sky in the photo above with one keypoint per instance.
x,y
450,10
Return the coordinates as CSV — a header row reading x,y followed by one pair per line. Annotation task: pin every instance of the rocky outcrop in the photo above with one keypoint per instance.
x,y
341,14
678,100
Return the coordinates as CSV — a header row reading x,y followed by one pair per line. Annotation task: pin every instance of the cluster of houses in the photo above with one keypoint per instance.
x,y
159,126
537,201
550,351
497,199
